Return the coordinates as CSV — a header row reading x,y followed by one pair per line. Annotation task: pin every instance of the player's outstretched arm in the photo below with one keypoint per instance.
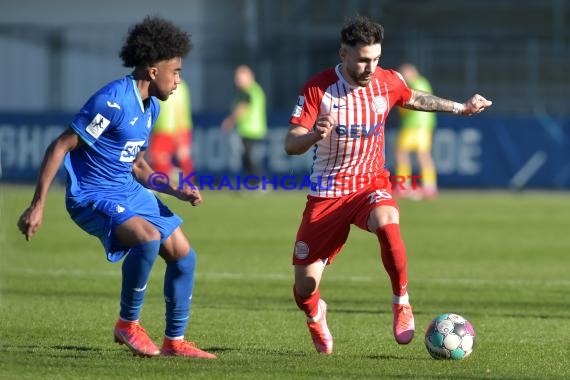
x,y
31,219
238,111
299,139
423,101
160,182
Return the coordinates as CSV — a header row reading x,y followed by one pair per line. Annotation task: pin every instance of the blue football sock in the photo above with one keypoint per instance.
x,y
178,285
136,271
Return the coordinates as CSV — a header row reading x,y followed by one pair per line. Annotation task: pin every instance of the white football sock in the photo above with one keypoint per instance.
x,y
401,300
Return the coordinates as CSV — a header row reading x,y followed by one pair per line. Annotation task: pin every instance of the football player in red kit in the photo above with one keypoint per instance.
x,y
340,115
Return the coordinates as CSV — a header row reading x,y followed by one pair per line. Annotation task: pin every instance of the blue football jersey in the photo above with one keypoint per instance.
x,y
115,126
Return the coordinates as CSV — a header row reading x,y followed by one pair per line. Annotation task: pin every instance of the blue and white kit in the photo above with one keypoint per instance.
x,y
102,192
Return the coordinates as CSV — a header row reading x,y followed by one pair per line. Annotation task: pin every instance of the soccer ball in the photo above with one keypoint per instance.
x,y
450,336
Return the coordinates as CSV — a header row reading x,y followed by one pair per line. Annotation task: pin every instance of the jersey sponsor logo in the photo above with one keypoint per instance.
x,y
337,106
132,122
379,104
356,131
113,105
131,150
301,250
299,106
97,125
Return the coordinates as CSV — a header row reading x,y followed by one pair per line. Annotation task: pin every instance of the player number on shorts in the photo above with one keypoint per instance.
x,y
378,196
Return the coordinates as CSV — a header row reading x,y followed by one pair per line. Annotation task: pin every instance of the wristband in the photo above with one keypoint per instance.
x,y
458,108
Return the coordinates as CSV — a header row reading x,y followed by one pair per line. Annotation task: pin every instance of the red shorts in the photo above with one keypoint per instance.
x,y
326,223
168,143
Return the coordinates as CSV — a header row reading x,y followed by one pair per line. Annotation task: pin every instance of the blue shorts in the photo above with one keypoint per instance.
x,y
99,217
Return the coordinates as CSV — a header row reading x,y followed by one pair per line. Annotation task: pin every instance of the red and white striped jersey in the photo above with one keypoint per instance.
x,y
352,156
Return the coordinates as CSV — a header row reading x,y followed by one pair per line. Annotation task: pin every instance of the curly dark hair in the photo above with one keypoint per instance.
x,y
153,40
361,30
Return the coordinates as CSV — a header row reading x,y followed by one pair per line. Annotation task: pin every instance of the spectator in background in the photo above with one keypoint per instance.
x,y
171,140
250,120
415,136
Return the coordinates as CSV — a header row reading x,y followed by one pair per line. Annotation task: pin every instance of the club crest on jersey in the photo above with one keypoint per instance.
x,y
97,125
301,250
149,122
299,106
379,104
131,150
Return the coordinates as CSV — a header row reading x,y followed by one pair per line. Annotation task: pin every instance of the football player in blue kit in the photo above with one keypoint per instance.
x,y
107,180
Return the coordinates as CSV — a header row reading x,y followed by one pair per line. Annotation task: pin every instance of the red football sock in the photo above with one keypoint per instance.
x,y
162,167
187,167
393,253
310,305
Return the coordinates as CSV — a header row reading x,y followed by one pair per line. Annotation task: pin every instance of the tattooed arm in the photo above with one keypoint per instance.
x,y
423,101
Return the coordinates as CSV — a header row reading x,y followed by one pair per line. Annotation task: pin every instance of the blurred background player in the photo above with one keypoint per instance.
x,y
171,139
415,136
250,120
107,188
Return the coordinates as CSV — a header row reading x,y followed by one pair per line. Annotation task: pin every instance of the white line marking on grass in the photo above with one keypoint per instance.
x,y
62,272
288,277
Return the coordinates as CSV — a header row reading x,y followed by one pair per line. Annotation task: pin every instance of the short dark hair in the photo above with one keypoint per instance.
x,y
153,40
361,30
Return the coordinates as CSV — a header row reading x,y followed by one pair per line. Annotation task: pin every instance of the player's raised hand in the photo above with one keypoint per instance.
x,y
475,104
324,125
189,194
30,221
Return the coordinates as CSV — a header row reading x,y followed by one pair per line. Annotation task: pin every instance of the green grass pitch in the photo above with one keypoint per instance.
x,y
501,260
